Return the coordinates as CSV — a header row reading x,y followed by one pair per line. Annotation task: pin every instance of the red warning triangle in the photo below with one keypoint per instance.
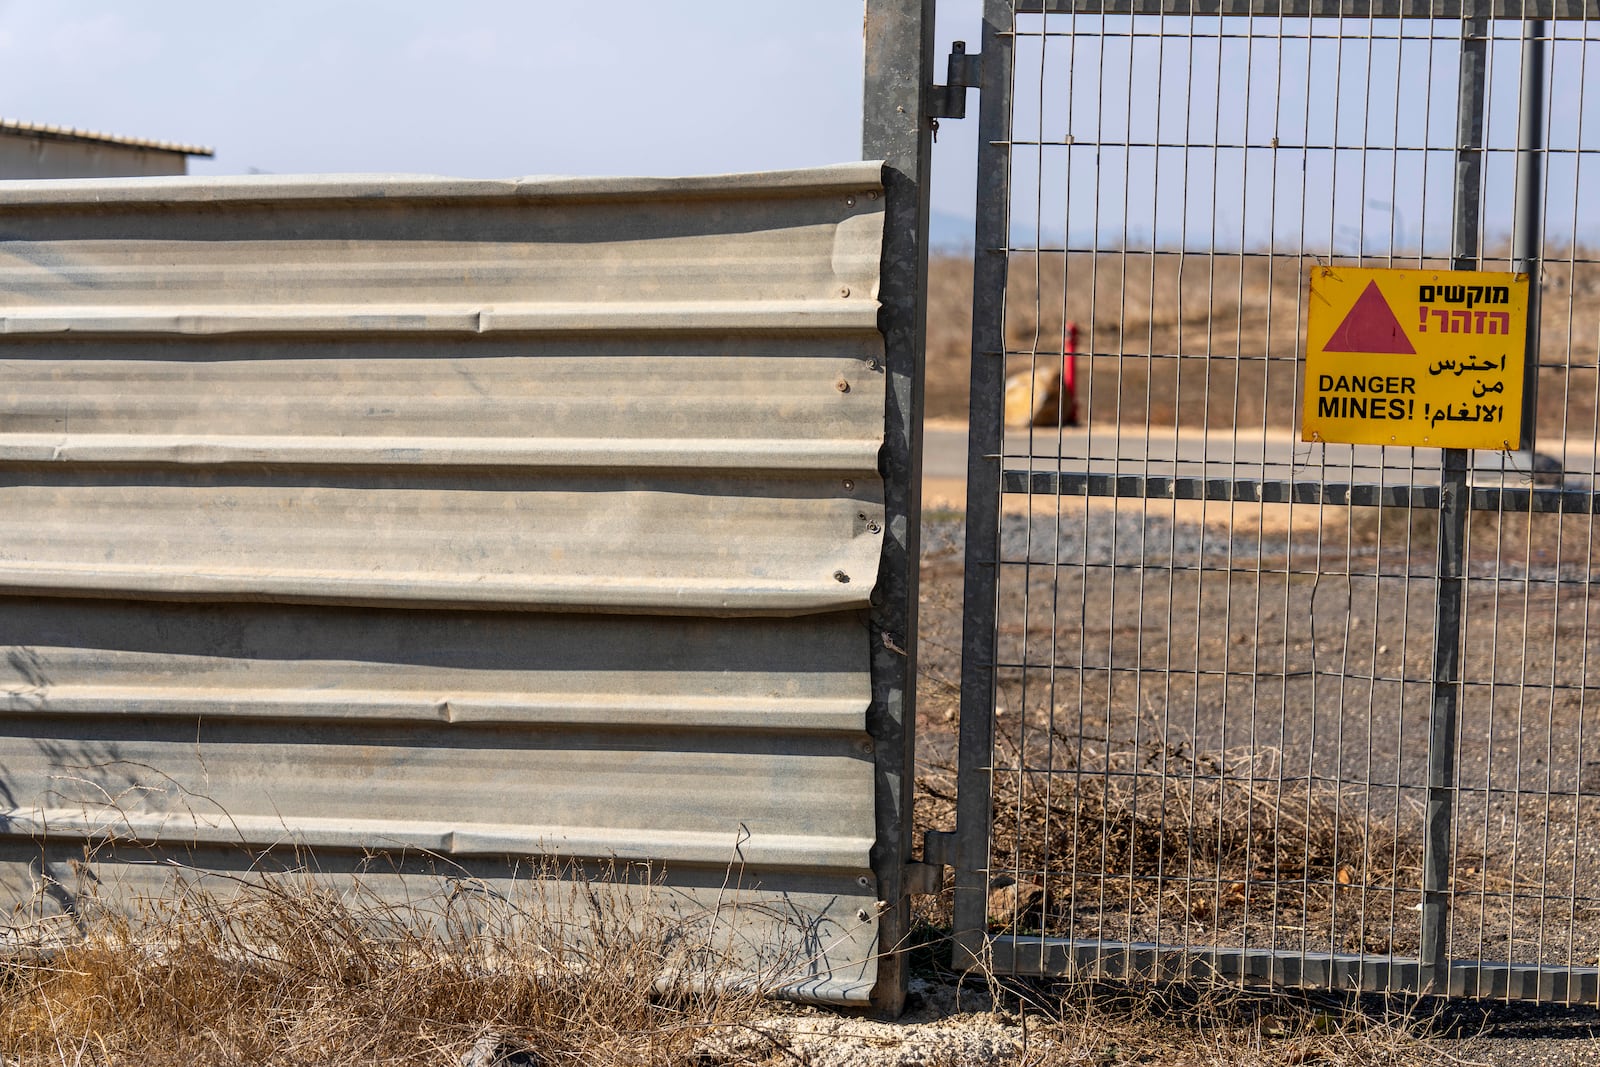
x,y
1370,327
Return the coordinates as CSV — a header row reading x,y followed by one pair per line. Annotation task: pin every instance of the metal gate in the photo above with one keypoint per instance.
x,y
1235,704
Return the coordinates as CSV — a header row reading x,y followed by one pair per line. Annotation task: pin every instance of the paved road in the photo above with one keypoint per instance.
x,y
1277,454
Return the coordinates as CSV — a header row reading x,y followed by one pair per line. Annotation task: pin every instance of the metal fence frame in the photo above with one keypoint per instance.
x,y
899,38
989,481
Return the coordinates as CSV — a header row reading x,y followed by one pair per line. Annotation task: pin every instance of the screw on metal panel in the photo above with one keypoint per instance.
x,y
841,576
863,881
844,290
865,747
873,527
872,195
842,385
849,201
861,915
848,484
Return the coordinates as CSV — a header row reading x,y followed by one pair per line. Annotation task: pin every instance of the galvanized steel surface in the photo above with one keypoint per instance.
x,y
470,520
31,150
47,131
27,158
898,38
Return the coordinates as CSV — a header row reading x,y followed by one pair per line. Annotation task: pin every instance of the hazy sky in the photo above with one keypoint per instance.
x,y
472,87
494,88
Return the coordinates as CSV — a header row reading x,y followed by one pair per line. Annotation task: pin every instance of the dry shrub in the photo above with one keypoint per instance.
x,y
1161,845
294,970
1212,1022
1194,829
1217,1024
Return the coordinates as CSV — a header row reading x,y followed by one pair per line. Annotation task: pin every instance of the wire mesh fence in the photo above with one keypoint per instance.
x,y
1233,701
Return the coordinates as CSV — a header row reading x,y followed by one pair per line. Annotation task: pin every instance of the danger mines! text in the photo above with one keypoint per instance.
x,y
1393,384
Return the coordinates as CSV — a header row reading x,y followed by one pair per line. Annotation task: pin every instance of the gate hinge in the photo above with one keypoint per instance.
x,y
926,879
949,101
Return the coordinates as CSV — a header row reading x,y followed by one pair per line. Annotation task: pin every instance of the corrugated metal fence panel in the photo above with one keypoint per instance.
x,y
488,519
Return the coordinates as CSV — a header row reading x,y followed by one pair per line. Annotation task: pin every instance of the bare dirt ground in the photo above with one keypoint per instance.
x,y
1212,730
1213,723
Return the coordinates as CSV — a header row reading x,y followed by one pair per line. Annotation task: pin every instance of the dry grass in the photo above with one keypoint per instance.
x,y
1164,845
1210,829
1236,321
292,970
949,344
1196,837
1221,1025
1134,306
295,970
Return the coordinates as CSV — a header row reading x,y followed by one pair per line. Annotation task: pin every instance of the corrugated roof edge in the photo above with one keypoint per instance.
x,y
70,133
811,181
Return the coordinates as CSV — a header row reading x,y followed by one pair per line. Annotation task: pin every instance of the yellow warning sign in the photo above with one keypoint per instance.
x,y
1415,357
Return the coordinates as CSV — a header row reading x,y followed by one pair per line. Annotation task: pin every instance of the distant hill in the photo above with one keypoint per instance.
x,y
949,232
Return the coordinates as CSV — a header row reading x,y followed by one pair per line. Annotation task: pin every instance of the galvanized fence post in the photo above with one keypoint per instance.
x,y
1528,224
899,58
1454,501
986,442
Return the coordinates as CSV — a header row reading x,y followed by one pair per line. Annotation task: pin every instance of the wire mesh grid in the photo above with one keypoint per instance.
x,y
1216,653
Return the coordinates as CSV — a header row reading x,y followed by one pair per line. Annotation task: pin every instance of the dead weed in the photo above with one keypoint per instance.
x,y
295,970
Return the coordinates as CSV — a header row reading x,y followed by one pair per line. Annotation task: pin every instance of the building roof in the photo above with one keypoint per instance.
x,y
67,133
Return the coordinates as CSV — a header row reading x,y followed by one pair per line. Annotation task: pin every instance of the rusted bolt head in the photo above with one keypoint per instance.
x,y
842,385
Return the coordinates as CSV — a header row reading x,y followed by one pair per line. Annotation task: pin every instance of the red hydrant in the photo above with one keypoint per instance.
x,y
1069,375
1046,395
